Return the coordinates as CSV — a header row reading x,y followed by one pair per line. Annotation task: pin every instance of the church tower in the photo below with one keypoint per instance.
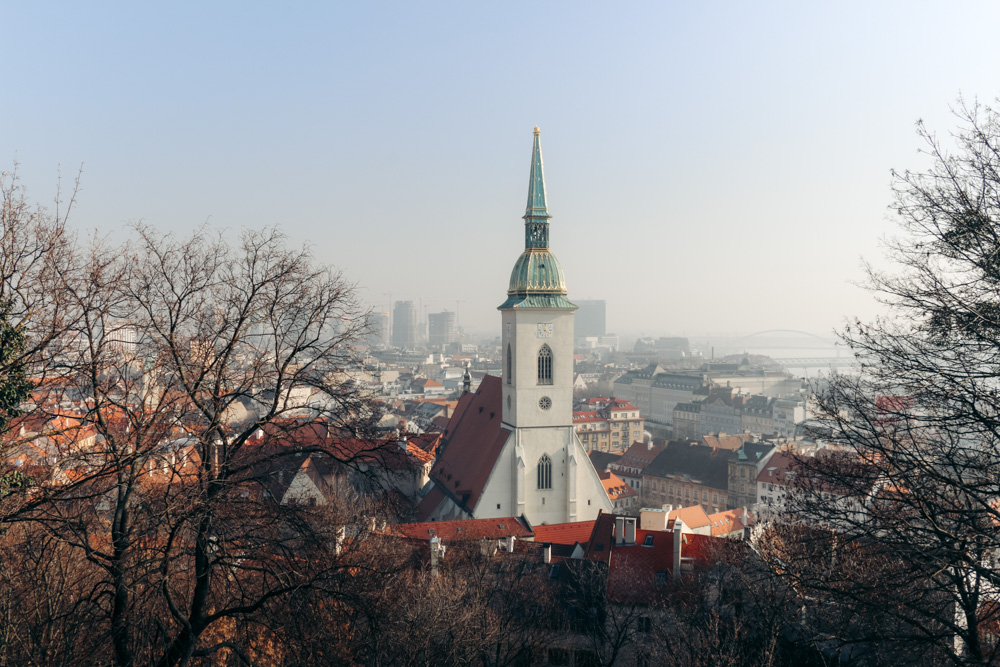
x,y
537,321
537,334
510,448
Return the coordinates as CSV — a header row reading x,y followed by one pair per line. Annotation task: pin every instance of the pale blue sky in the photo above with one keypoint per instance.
x,y
710,166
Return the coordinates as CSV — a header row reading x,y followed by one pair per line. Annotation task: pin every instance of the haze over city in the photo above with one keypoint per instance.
x,y
552,334
720,168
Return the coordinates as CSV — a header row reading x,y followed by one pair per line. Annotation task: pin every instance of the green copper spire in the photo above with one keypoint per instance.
x,y
536,183
537,280
536,214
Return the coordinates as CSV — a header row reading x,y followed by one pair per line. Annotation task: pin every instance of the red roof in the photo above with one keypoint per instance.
x,y
693,517
615,487
894,403
426,443
611,402
776,468
313,434
638,455
729,521
465,529
565,533
440,423
425,508
472,443
638,573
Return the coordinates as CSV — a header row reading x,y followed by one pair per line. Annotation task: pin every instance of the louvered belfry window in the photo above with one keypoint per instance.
x,y
545,365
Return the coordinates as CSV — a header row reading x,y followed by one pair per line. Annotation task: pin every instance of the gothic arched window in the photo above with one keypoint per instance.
x,y
510,365
545,472
545,365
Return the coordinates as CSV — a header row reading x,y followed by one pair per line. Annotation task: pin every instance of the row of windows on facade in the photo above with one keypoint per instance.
x,y
544,365
601,426
687,492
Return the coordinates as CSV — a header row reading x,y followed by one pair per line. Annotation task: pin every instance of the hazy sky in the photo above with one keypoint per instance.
x,y
710,166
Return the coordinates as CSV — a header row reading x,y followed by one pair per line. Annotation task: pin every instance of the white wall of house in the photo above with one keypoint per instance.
x,y
302,491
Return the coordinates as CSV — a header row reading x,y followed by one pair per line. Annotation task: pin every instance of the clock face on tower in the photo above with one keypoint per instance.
x,y
545,330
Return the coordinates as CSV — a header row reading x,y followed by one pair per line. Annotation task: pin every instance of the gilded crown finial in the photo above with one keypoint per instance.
x,y
537,131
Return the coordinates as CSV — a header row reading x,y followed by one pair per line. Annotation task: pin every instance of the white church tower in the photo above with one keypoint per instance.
x,y
537,334
510,448
537,323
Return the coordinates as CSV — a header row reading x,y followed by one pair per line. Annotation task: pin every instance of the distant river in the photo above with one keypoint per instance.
x,y
823,356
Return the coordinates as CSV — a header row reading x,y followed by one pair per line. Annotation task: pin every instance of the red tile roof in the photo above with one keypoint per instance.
x,y
440,423
776,468
465,529
638,455
424,446
472,443
425,508
615,487
640,572
727,522
693,517
587,416
610,402
894,403
565,533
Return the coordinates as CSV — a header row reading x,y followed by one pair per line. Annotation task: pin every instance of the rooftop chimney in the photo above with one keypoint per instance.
x,y
654,519
510,544
630,530
619,530
437,552
547,553
488,548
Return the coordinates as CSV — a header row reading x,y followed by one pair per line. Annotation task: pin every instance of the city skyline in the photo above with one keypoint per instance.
x,y
710,169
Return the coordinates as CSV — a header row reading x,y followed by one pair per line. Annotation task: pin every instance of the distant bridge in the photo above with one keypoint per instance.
x,y
817,362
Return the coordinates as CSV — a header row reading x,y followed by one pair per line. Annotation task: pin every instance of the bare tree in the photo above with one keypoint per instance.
x,y
895,536
182,374
481,607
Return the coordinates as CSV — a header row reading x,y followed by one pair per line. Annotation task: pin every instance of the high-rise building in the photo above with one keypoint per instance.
x,y
122,339
379,335
404,325
591,318
441,329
